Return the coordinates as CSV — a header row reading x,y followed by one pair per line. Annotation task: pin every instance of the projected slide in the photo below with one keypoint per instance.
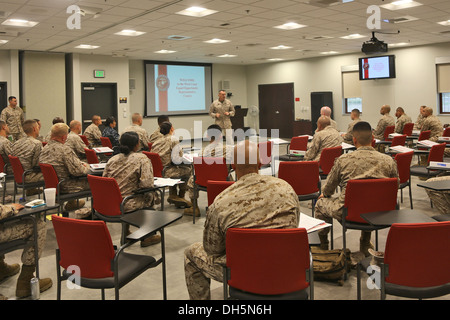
x,y
376,68
177,89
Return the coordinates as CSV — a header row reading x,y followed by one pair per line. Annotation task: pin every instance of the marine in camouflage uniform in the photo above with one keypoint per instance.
x,y
254,201
14,118
348,136
385,121
402,119
325,137
93,133
420,118
363,163
132,172
75,143
171,154
433,124
67,166
142,133
28,150
440,199
221,110
5,150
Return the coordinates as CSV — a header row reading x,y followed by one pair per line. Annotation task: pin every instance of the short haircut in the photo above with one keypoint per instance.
x,y
362,131
11,98
74,123
109,120
356,111
136,117
214,131
2,124
163,118
95,117
29,125
165,127
324,121
401,109
57,120
428,110
387,108
59,130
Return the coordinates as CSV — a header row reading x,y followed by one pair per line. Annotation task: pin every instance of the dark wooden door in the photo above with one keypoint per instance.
x,y
98,99
276,108
3,95
319,100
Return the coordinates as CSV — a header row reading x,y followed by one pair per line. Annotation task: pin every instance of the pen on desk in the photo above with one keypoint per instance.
x,y
38,205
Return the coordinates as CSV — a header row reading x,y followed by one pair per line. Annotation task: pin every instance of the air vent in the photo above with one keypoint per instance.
x,y
323,3
401,19
177,38
315,38
4,14
9,33
252,44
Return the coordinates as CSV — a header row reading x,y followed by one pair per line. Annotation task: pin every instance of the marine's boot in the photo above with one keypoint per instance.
x,y
23,288
323,241
181,194
364,243
7,270
190,211
74,205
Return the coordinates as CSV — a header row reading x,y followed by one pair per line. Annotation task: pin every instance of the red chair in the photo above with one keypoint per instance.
x,y
398,140
99,263
158,168
267,264
403,161
408,129
85,140
51,180
91,156
297,143
364,196
374,142
19,178
150,144
446,132
208,168
387,131
436,154
214,188
106,142
416,261
326,160
44,143
304,178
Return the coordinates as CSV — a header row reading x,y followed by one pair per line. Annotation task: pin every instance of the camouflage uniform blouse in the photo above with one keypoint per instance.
x,y
223,121
433,124
93,135
254,201
385,121
76,144
326,138
142,133
14,118
401,121
28,150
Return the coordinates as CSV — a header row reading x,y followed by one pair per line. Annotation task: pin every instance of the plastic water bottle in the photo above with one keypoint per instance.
x,y
35,290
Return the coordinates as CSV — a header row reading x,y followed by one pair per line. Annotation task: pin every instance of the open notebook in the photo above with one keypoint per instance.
x,y
311,224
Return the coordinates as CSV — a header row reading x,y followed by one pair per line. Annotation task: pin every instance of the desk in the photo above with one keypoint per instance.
x,y
30,214
149,221
443,185
387,218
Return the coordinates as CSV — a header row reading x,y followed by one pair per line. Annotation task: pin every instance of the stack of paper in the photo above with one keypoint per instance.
x,y
297,152
439,164
103,150
401,149
189,157
427,143
165,182
309,137
391,135
97,166
311,224
444,139
279,141
347,146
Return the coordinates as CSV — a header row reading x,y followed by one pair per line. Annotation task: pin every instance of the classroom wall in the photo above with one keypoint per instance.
x,y
9,71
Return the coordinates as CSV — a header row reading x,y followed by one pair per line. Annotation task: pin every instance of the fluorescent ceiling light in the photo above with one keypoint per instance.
x,y
19,23
130,33
353,36
290,26
215,41
274,59
280,47
401,4
165,51
3,41
196,12
399,44
445,23
227,55
329,52
86,46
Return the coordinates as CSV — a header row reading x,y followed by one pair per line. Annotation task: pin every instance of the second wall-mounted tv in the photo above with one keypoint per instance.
x,y
381,67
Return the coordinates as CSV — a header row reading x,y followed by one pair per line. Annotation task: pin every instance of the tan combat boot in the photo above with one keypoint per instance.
x,y
190,210
23,288
8,270
364,243
323,241
73,205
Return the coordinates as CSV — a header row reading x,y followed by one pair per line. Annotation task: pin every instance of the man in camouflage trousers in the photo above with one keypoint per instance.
x,y
28,150
253,201
221,110
364,163
14,118
67,165
22,229
325,137
215,148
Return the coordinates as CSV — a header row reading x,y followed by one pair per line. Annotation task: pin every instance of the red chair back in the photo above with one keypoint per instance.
x,y
50,177
17,168
424,135
446,132
156,163
2,165
44,143
403,164
418,254
398,140
106,195
214,188
408,129
327,157
256,256
106,142
437,153
209,168
85,140
299,143
303,176
150,144
387,132
92,252
91,156
369,195
265,152
373,143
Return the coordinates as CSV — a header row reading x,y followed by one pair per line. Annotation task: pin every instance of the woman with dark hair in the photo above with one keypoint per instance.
x,y
110,132
169,149
132,171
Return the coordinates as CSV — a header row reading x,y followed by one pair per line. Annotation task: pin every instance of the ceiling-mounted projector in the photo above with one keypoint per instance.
x,y
374,45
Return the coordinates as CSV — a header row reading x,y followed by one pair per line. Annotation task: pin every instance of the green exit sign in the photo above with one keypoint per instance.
x,y
99,73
